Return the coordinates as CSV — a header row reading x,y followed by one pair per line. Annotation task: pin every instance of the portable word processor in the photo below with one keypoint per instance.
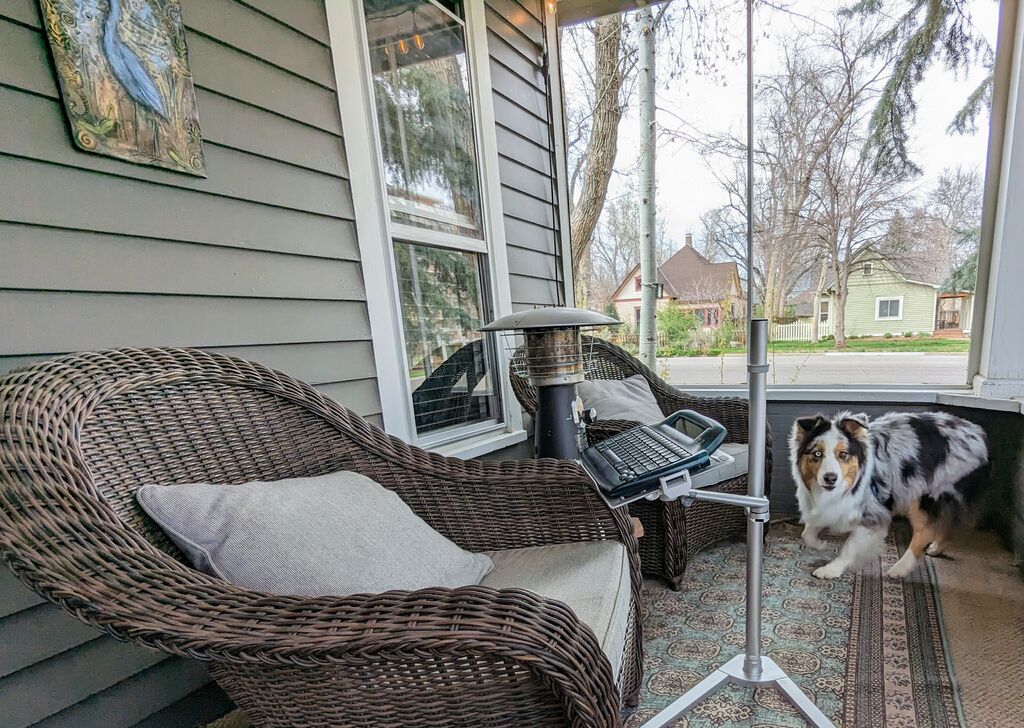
x,y
632,463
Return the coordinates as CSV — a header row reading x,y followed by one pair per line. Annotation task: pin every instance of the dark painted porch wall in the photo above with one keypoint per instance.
x,y
1000,507
260,260
522,109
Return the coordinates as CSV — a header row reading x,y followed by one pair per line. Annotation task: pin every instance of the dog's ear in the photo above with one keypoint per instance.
x,y
806,424
854,425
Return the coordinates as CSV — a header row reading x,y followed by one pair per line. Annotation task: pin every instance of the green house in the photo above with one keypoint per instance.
x,y
882,300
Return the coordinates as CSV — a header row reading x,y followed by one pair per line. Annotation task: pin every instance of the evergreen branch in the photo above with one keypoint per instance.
x,y
979,101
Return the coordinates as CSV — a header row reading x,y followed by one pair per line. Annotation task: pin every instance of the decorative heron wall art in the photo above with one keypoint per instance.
x,y
125,79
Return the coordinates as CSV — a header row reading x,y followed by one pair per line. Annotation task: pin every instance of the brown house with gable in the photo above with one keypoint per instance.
x,y
711,290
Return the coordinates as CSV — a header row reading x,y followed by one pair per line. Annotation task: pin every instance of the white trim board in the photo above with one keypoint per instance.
x,y
556,102
951,396
346,25
375,230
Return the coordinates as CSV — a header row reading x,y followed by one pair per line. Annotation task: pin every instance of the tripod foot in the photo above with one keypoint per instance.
x,y
735,672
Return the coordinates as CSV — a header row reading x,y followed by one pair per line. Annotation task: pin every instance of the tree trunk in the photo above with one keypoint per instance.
x,y
602,146
648,223
816,304
840,306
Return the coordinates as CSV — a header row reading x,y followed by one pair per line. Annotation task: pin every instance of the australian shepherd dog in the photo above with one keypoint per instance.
x,y
854,474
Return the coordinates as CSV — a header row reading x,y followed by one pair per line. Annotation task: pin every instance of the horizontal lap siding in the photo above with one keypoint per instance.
x,y
918,308
515,41
260,260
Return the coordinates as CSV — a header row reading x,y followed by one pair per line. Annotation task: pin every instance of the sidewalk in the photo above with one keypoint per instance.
x,y
823,368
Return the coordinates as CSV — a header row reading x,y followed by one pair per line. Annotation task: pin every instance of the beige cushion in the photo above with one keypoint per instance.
x,y
591,577
329,535
621,399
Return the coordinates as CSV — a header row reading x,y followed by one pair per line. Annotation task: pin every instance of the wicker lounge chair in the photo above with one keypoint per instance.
x,y
79,434
671,532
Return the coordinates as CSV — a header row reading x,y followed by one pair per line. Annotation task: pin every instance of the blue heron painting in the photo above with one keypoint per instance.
x,y
125,80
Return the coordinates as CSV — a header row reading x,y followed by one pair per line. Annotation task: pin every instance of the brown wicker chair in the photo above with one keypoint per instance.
x,y
671,532
79,434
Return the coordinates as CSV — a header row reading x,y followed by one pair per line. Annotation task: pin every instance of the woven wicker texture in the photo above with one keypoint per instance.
x,y
671,532
79,434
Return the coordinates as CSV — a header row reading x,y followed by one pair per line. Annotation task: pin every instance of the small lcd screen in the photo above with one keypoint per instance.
x,y
688,428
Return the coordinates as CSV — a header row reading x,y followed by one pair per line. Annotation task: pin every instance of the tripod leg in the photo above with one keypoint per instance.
x,y
801,702
690,698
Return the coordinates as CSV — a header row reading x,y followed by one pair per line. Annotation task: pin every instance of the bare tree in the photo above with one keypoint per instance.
x,y
956,202
598,124
859,201
601,58
615,248
804,113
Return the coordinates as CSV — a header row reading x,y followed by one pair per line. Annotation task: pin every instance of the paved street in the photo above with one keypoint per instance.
x,y
823,368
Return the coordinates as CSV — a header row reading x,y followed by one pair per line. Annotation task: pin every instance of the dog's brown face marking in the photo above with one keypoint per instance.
x,y
849,464
810,463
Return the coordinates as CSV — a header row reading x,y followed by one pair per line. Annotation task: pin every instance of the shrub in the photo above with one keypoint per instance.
x,y
678,326
908,334
888,335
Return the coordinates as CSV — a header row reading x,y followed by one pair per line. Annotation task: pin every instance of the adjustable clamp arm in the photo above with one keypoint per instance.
x,y
679,486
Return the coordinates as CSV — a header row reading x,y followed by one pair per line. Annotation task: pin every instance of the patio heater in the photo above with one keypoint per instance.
x,y
552,358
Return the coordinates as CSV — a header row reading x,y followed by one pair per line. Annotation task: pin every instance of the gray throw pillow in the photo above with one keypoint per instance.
x,y
621,399
329,535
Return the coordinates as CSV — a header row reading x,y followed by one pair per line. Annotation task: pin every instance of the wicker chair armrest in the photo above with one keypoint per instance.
x,y
186,613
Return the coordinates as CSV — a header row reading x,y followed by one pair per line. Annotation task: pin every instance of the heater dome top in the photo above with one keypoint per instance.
x,y
550,318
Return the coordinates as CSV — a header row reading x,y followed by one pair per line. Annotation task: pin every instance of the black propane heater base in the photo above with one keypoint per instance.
x,y
556,428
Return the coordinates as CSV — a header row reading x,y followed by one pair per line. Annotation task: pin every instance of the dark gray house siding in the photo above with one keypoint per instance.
x,y
260,260
522,110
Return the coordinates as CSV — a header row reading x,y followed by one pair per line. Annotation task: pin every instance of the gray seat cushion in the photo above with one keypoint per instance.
x,y
621,399
328,535
591,577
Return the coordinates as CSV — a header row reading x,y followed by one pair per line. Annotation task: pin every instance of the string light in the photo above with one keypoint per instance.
x,y
403,46
551,6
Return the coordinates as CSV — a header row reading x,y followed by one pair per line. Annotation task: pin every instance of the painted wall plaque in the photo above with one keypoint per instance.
x,y
125,79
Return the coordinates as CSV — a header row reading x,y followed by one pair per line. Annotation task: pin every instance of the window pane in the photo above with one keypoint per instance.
x,y
449,362
424,111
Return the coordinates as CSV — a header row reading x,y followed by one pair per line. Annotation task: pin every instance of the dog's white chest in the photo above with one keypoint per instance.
x,y
838,512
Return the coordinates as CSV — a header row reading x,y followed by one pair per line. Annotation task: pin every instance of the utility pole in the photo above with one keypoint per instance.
x,y
648,226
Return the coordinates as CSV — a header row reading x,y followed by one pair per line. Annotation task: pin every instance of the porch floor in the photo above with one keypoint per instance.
x,y
982,601
983,608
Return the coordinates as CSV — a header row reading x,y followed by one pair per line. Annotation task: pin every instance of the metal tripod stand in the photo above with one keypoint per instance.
x,y
751,669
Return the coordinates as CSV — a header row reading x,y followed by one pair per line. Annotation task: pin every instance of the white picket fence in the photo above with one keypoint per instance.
x,y
798,331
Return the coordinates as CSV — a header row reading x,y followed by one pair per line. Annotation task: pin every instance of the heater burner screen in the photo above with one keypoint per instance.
x,y
549,356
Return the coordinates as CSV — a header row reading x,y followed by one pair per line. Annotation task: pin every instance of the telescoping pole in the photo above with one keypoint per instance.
x,y
757,372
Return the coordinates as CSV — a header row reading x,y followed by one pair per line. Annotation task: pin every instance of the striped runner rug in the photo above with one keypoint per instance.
x,y
869,650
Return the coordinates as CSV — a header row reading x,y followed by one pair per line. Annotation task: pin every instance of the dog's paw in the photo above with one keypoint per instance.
x,y
901,569
813,542
934,549
831,570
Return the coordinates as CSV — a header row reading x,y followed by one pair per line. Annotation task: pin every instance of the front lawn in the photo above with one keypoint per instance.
x,y
895,344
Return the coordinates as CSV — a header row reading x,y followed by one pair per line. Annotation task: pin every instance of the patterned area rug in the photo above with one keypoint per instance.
x,y
868,650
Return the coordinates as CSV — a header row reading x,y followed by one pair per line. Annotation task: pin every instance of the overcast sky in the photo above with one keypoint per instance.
x,y
687,188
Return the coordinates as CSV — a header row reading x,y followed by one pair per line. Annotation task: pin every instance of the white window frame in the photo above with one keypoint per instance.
x,y
869,268
376,232
879,299
828,311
